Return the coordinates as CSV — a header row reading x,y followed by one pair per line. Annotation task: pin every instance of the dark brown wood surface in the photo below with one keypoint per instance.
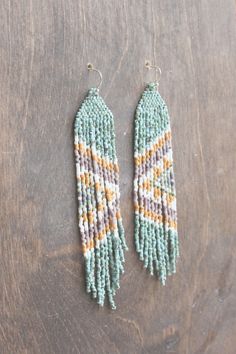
x,y
45,46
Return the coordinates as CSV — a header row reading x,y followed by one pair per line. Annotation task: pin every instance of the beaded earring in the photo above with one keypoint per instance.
x,y
156,236
99,218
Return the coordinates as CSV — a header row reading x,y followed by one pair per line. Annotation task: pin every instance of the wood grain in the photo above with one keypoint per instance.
x,y
45,46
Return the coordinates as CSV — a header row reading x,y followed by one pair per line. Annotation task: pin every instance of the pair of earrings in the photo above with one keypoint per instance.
x,y
97,173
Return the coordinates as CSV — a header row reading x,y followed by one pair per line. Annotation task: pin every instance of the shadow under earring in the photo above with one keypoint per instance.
x,y
156,236
97,172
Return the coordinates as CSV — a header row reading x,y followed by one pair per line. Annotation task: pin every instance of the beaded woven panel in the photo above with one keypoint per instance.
x,y
156,236
100,222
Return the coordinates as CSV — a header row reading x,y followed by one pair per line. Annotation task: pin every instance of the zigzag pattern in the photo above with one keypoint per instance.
x,y
99,216
156,236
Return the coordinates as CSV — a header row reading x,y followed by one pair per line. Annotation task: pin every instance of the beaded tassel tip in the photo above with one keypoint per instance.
x,y
156,236
99,217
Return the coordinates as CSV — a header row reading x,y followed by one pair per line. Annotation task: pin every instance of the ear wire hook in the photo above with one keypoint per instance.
x,y
149,66
92,68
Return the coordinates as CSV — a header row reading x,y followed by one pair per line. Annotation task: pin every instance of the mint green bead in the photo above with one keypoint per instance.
x,y
155,233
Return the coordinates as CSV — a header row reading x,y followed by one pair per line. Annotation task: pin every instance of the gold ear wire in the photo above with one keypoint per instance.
x,y
92,68
149,66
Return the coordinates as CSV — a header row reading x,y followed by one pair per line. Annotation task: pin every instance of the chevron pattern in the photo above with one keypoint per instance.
x,y
99,217
156,235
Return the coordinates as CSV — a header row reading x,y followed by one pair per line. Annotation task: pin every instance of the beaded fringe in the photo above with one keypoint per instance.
x,y
156,236
100,223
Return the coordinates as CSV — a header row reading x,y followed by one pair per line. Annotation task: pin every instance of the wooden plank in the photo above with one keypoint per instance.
x,y
45,47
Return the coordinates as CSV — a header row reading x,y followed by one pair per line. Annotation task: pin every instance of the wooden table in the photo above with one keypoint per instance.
x,y
45,46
